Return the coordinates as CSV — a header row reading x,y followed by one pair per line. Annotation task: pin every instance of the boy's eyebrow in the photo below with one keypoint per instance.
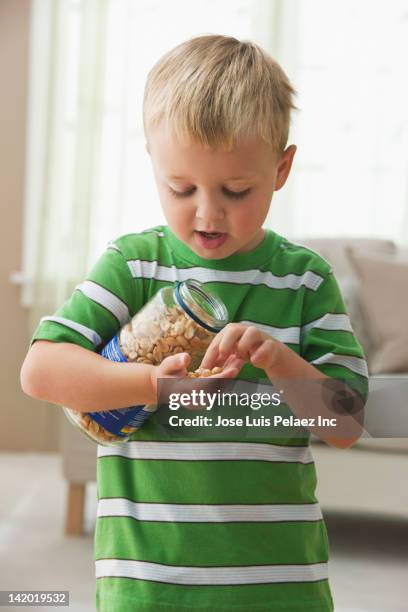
x,y
233,178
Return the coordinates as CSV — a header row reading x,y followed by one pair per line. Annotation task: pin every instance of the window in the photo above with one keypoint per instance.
x,y
350,176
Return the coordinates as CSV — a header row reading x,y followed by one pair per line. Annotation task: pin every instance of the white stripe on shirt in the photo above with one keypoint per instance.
x,y
208,513
150,269
107,299
90,334
208,451
252,574
329,322
356,364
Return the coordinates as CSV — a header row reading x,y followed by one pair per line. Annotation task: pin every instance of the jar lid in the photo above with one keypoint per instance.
x,y
201,305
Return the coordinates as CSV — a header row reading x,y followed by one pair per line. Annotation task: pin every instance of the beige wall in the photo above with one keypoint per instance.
x,y
25,424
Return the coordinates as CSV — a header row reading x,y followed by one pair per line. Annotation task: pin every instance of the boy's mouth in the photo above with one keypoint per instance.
x,y
210,240
211,234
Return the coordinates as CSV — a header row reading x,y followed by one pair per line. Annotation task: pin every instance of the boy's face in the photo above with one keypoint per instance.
x,y
212,190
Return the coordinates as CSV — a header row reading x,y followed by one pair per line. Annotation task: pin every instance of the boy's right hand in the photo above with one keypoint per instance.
x,y
175,366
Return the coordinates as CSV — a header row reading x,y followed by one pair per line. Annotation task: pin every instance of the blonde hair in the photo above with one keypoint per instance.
x,y
213,89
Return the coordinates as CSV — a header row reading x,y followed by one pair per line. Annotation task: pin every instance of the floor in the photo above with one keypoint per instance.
x,y
368,567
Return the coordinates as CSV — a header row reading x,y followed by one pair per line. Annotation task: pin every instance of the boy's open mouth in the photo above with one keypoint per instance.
x,y
212,234
210,240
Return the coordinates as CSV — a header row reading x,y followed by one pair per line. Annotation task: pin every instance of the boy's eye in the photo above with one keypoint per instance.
x,y
230,194
181,194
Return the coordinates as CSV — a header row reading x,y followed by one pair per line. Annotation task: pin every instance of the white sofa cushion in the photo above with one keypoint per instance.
x,y
335,251
384,300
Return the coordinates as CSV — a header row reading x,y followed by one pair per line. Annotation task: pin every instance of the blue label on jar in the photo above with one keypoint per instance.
x,y
112,351
123,421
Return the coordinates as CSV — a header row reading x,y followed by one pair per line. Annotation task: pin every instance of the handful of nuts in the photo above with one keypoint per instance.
x,y
183,318
204,373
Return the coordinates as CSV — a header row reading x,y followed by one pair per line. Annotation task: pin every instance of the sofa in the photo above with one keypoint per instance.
x,y
373,277
365,478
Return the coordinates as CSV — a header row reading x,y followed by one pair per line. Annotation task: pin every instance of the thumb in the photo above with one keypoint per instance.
x,y
183,359
179,361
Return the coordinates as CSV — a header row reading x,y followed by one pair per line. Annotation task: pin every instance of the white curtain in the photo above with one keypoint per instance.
x,y
65,117
350,175
89,178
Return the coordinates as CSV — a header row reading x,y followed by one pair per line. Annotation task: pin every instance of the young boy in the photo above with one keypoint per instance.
x,y
231,525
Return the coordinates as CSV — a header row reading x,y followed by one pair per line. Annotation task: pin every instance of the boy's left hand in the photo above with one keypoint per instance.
x,y
247,342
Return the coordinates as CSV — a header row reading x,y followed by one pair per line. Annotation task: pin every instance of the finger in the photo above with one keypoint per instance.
x,y
250,341
263,354
220,361
230,369
230,340
231,359
211,356
175,364
233,362
222,346
256,356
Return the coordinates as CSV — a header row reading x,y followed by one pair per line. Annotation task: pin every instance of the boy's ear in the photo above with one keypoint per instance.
x,y
284,166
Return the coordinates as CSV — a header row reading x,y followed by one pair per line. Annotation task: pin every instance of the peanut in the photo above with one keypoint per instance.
x,y
204,373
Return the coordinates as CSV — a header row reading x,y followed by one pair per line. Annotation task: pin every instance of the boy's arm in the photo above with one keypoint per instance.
x,y
69,375
304,389
329,378
63,365
330,348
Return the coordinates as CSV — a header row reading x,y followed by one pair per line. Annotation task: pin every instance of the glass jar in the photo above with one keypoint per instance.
x,y
180,318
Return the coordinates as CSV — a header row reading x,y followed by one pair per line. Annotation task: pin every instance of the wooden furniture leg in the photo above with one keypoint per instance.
x,y
74,519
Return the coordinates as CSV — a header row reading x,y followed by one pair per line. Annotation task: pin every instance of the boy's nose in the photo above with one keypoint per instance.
x,y
209,211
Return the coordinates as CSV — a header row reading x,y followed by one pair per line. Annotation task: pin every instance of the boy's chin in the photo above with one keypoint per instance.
x,y
216,254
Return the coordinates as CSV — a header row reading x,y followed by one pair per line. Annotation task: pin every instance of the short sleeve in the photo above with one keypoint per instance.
x,y
98,307
328,341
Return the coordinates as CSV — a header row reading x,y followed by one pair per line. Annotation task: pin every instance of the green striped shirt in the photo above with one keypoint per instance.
x,y
235,525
